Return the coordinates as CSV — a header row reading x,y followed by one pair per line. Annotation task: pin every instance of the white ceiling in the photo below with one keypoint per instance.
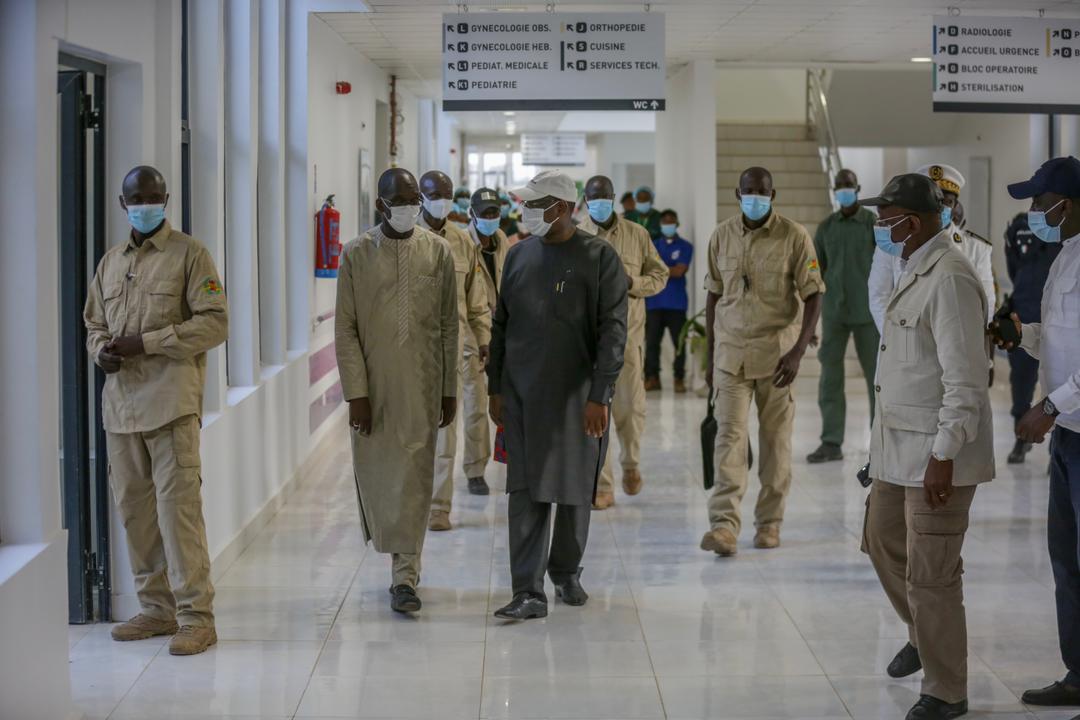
x,y
405,36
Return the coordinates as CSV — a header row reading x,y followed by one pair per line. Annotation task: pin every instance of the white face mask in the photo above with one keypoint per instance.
x,y
533,220
403,217
438,209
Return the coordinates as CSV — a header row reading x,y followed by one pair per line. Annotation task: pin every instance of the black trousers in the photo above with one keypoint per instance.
x,y
1023,374
656,322
533,550
1063,536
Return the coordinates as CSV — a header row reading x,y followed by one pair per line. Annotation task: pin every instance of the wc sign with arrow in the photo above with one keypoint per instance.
x,y
553,61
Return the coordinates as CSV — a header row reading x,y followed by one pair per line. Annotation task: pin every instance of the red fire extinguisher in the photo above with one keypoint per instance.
x,y
327,240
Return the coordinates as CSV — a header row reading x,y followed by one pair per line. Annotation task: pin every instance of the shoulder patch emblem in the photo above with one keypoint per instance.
x,y
210,286
812,265
957,238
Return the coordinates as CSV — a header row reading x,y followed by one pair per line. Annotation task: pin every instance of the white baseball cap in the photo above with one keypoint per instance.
x,y
550,183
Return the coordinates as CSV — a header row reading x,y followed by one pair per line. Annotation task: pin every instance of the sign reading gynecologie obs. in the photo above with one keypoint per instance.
x,y
1004,64
553,61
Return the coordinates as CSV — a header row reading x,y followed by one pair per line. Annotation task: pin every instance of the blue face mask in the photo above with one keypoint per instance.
x,y
669,230
145,218
462,204
846,196
504,211
883,238
600,209
1043,230
755,207
946,216
643,207
487,227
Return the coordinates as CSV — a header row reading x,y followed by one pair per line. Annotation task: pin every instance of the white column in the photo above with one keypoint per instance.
x,y
1038,140
299,238
206,84
271,169
1069,135
241,173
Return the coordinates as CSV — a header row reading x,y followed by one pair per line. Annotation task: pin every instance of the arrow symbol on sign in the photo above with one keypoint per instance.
x,y
451,85
449,66
450,47
450,28
655,104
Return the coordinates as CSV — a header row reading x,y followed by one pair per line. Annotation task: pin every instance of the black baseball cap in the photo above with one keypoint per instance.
x,y
1060,176
910,191
483,199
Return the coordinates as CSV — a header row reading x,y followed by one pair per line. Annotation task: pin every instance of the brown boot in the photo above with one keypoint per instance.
x,y
192,640
767,538
632,482
439,520
680,386
720,541
652,384
142,627
603,500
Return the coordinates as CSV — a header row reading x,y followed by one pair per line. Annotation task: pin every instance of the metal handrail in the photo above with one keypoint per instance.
x,y
817,110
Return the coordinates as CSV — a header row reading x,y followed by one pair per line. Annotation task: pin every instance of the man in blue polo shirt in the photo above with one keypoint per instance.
x,y
667,310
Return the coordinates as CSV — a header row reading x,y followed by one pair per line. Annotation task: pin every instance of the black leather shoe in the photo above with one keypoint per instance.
x,y
1058,694
569,590
905,663
930,708
1019,451
523,607
403,599
478,486
826,452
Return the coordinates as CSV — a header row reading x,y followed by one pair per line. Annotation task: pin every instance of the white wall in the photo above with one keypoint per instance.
x,y
255,438
686,159
771,95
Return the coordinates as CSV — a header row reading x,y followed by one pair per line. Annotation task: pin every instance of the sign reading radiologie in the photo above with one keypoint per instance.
x,y
1006,64
553,61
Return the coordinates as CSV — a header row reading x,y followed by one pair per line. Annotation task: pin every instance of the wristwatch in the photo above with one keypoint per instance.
x,y
1049,408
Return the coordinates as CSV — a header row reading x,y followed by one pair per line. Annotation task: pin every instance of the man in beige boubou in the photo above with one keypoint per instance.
x,y
156,305
646,275
932,441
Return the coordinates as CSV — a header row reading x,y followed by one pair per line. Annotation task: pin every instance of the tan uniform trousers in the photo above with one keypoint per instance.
x,y
776,411
627,414
406,569
916,553
473,413
156,481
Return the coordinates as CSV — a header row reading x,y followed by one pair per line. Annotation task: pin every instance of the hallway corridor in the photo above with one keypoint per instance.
x,y
669,632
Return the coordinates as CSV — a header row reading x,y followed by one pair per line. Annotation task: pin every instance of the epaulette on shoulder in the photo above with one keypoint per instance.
x,y
979,237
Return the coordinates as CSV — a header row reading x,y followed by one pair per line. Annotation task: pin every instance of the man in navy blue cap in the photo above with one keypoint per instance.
x,y
1054,218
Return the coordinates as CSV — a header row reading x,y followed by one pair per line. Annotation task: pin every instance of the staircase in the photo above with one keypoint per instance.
x,y
791,153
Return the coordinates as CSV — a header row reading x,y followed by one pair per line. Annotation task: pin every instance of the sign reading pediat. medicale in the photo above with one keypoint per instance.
x,y
1006,64
553,61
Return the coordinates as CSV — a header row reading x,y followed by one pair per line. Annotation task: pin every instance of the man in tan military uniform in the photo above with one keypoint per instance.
x,y
155,307
762,266
932,442
474,328
647,275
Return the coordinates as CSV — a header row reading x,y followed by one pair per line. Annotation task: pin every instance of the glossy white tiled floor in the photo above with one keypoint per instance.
x,y
669,632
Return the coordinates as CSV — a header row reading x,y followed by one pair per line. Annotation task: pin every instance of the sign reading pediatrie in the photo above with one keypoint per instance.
x,y
1006,64
553,61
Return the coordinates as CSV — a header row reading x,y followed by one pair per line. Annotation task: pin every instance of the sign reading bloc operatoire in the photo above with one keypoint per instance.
x,y
1005,64
553,61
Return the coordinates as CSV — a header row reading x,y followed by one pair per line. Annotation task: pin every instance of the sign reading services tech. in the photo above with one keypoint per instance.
x,y
1006,64
553,61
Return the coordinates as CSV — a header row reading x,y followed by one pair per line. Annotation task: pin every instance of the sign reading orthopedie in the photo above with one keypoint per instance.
x,y
1006,64
553,61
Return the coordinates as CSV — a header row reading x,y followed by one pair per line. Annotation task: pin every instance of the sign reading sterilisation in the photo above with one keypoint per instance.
x,y
1006,64
553,61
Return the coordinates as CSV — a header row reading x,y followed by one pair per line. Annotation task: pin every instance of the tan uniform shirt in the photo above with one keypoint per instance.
x,y
502,246
169,292
648,273
474,311
761,276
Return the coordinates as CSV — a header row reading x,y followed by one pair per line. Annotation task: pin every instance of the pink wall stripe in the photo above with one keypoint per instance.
x,y
321,362
324,406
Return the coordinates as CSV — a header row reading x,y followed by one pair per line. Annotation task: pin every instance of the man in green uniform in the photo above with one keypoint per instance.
x,y
644,214
844,244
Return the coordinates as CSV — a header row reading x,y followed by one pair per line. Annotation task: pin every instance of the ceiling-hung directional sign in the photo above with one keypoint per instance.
x,y
553,61
1006,64
553,149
